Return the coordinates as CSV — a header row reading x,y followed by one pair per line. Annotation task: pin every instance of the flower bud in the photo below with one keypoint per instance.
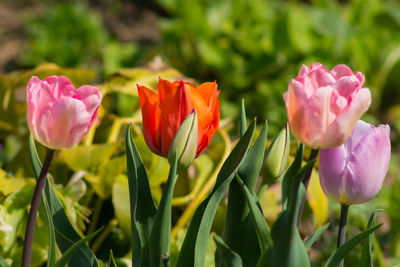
x,y
184,143
353,173
278,153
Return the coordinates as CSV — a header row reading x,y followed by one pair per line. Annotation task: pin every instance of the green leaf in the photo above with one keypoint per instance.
x,y
288,248
112,262
195,244
312,238
366,259
51,258
67,255
230,257
238,219
160,237
292,170
341,252
3,262
260,224
243,121
142,206
62,226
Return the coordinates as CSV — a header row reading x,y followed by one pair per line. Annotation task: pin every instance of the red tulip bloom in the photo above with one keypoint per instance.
x,y
163,113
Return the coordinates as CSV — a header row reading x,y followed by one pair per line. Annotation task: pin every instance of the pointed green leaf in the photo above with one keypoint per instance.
x,y
142,206
62,226
112,262
243,121
230,257
193,250
160,237
238,219
366,259
260,224
341,252
312,238
292,170
288,248
63,261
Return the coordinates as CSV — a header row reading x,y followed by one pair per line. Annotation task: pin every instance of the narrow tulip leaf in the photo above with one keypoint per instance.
x,y
341,252
194,246
62,226
3,262
63,261
243,121
112,262
142,206
238,219
366,259
288,249
51,258
290,172
312,238
160,237
260,224
230,258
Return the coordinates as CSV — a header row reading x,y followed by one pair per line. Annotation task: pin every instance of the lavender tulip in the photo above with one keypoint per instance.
x,y
353,173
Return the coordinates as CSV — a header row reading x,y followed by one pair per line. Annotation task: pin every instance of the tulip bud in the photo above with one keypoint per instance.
x,y
185,142
353,173
278,153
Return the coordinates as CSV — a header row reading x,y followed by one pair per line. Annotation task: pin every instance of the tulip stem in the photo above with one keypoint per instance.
x,y
344,211
306,181
30,228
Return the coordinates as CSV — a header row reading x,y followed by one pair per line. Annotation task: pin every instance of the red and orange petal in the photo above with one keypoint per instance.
x,y
149,104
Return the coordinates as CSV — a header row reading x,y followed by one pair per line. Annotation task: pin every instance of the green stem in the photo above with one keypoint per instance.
x,y
96,215
30,228
306,181
344,211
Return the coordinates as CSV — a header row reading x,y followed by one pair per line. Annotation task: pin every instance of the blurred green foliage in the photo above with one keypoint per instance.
x,y
253,48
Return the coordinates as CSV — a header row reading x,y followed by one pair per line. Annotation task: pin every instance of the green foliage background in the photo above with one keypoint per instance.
x,y
251,48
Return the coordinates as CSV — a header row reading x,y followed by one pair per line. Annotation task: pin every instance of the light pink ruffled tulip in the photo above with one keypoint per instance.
x,y
59,115
353,173
323,105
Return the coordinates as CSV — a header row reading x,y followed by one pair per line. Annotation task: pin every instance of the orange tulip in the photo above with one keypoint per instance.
x,y
163,113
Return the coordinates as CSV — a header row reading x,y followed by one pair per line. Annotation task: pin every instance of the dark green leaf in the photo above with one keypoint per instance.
x,y
62,226
260,224
194,246
341,252
366,259
292,170
230,257
143,209
74,248
238,219
160,237
312,238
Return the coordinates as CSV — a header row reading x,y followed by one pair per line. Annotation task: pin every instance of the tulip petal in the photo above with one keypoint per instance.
x,y
207,90
331,169
165,87
369,162
149,102
341,70
174,108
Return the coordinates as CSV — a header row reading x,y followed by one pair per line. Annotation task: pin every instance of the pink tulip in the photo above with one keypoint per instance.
x,y
58,115
323,105
353,173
